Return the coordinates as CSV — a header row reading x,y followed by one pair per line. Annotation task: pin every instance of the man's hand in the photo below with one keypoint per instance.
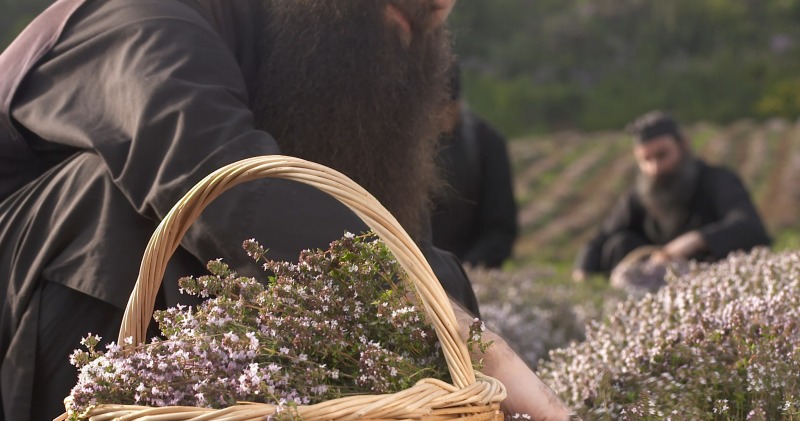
x,y
527,394
685,246
660,257
680,249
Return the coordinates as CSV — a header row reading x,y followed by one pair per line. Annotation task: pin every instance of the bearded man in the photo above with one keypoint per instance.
x,y
113,109
693,210
475,216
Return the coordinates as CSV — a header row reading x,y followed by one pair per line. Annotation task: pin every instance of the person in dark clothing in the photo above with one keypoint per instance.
x,y
693,210
111,110
474,214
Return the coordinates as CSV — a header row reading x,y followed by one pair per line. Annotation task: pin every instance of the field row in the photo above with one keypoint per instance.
x,y
566,183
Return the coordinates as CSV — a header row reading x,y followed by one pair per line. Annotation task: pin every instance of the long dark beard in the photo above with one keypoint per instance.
x,y
338,87
668,199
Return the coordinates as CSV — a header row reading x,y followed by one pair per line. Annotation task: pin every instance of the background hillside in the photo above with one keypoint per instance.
x,y
539,66
565,183
545,65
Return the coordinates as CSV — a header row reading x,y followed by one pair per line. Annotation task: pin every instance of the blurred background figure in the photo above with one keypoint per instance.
x,y
690,209
475,215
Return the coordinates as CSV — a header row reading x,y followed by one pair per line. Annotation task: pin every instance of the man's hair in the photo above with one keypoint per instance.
x,y
653,125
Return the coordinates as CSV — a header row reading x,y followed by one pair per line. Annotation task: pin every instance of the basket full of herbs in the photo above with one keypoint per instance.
x,y
361,330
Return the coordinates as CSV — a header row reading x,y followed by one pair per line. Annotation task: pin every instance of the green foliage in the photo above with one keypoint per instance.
x,y
545,65
596,65
537,109
788,239
16,15
781,99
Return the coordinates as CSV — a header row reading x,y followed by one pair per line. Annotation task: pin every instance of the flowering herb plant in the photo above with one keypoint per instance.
x,y
721,342
338,322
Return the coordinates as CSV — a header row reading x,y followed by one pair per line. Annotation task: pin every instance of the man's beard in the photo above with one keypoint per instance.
x,y
667,198
339,87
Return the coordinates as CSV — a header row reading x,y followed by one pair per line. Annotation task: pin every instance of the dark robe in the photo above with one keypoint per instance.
x,y
475,216
111,111
720,210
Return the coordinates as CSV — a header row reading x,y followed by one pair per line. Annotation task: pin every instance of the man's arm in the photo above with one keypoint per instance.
x,y
169,106
588,259
681,248
739,226
527,394
622,217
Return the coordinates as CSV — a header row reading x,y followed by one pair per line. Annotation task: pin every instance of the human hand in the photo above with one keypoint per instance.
x,y
660,257
526,393
686,245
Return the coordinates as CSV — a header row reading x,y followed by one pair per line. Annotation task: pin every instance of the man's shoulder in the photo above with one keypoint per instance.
x,y
711,172
135,31
152,8
481,127
108,16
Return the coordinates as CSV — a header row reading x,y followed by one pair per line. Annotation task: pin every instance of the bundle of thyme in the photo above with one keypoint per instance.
x,y
338,322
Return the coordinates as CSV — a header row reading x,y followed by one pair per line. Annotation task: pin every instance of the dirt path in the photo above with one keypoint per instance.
x,y
713,149
753,155
546,202
721,149
554,150
591,190
593,203
779,203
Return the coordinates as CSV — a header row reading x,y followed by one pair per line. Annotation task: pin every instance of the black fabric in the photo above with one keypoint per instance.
x,y
18,164
136,102
618,245
53,232
720,209
476,216
448,270
55,344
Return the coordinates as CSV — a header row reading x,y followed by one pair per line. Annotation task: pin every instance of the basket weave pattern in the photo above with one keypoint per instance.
x,y
472,396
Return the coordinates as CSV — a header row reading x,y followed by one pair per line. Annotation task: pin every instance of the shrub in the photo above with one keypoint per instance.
x,y
534,310
718,343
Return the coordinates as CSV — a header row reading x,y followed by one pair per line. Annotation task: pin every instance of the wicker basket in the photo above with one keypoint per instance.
x,y
472,396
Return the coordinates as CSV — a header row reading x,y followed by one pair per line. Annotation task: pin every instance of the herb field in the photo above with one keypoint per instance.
x,y
566,183
718,343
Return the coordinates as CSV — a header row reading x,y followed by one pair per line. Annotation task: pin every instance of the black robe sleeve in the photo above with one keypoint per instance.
x,y
152,89
497,209
738,225
626,215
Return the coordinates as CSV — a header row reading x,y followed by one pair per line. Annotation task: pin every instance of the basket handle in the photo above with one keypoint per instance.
x,y
637,255
170,231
